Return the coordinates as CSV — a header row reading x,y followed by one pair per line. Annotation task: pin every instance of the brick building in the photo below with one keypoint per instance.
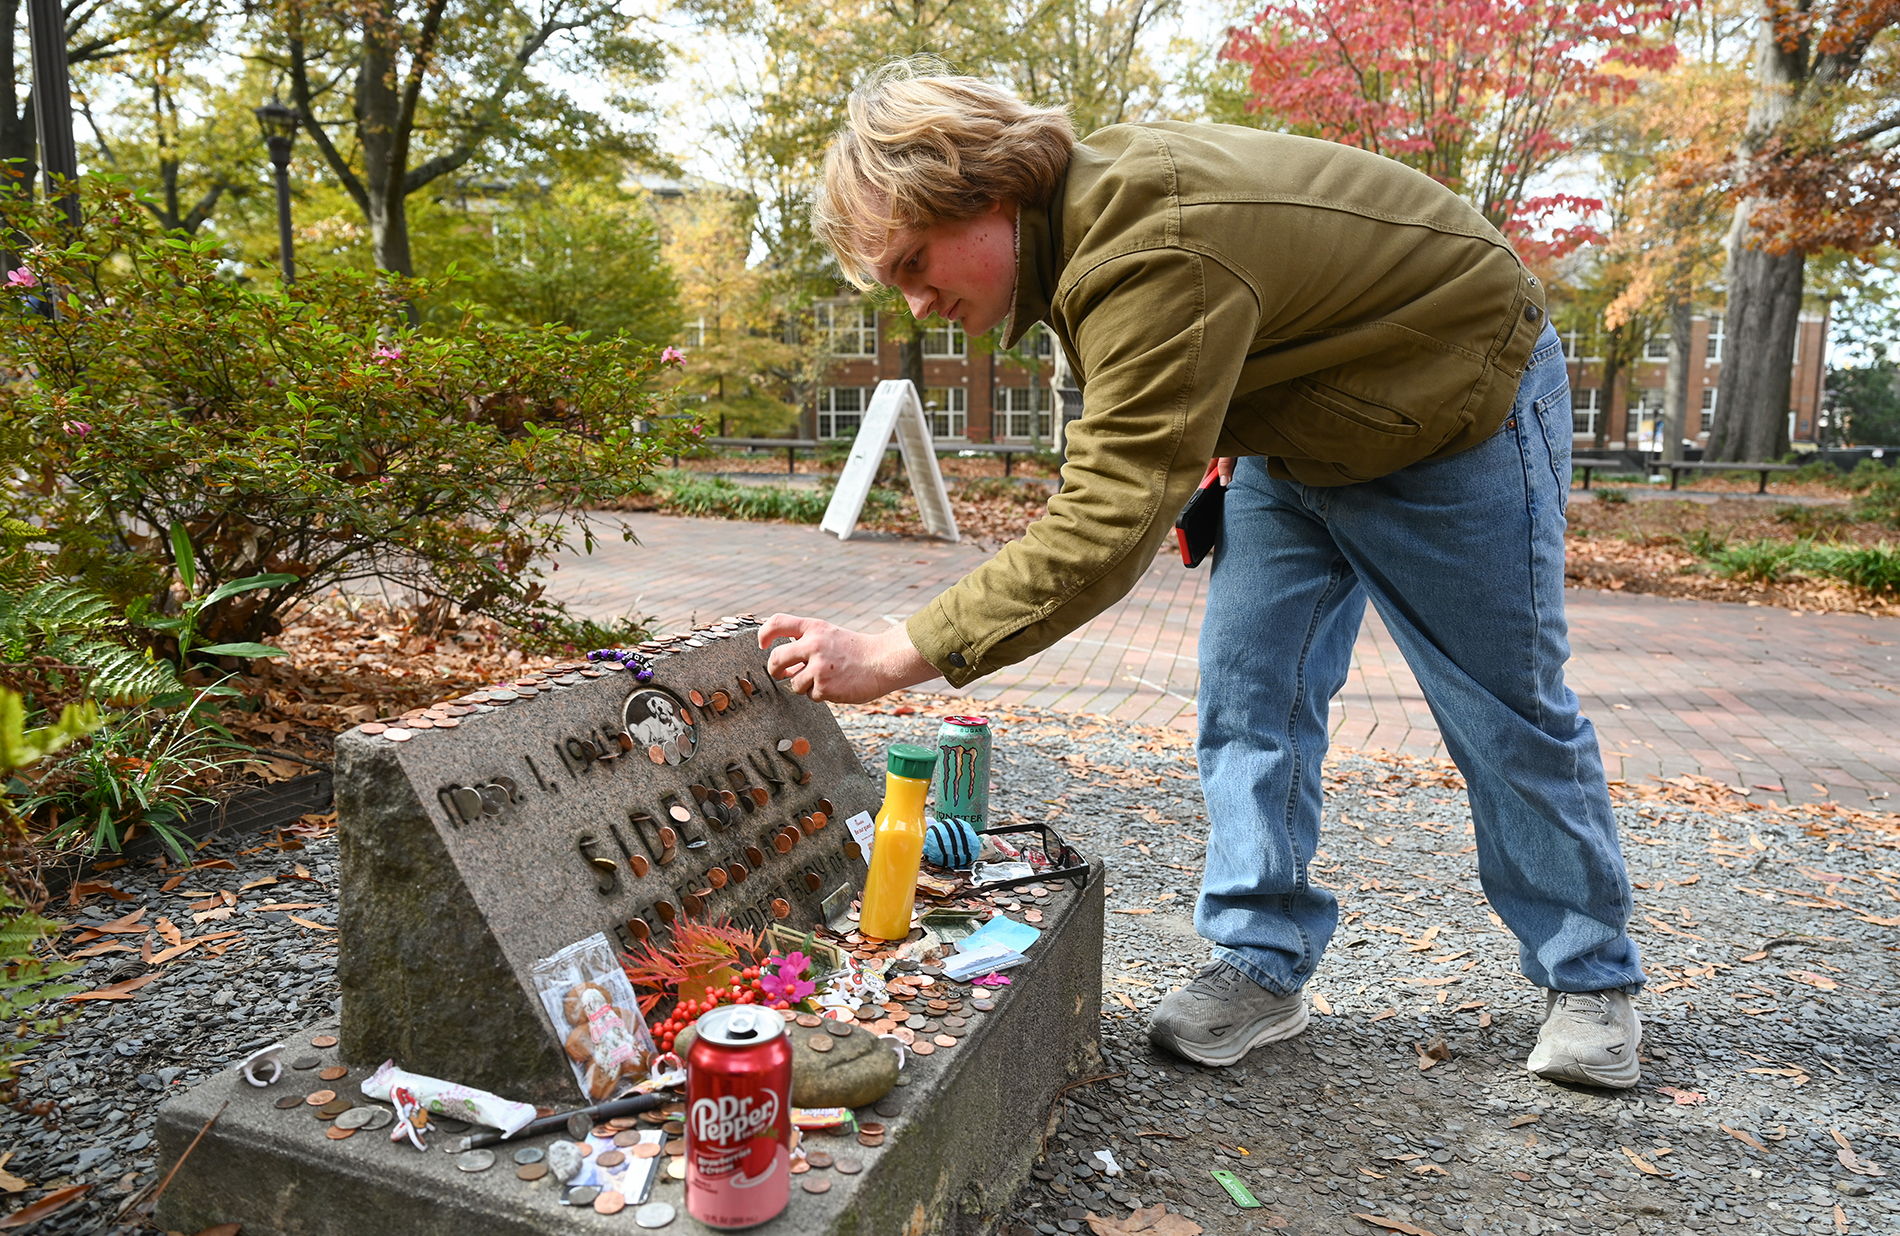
x,y
1634,409
970,394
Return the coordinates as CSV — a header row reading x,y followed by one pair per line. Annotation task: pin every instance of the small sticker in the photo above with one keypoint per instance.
x,y
863,830
1230,1182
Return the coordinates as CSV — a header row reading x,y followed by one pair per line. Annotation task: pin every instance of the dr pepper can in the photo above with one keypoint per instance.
x,y
738,1117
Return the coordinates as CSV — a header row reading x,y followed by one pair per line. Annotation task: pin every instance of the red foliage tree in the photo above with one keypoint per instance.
x,y
1474,93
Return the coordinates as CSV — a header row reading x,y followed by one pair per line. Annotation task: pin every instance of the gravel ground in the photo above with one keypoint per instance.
x,y
1771,1011
1342,1121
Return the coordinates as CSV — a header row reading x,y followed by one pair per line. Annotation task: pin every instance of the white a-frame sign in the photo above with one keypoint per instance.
x,y
895,409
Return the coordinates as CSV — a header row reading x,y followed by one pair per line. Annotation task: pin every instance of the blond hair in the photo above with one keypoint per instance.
x,y
921,146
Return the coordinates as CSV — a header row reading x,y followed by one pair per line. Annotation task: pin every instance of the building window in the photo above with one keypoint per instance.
x,y
1582,345
1022,413
1647,419
945,340
840,411
1583,411
694,336
1708,408
944,407
1038,342
1716,335
1656,348
850,329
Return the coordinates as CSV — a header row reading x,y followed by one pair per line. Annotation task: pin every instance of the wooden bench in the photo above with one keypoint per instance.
x,y
1678,467
791,447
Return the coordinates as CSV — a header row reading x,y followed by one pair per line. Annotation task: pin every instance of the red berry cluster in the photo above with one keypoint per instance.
x,y
746,989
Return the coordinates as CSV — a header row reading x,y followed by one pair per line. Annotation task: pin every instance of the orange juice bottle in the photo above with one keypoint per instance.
x,y
897,848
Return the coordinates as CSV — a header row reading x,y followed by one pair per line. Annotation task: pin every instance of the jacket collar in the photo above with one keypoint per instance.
x,y
1038,262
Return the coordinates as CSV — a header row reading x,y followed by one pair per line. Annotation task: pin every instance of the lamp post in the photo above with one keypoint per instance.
x,y
279,124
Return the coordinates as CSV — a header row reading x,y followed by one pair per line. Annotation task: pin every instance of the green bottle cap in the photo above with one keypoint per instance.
x,y
907,759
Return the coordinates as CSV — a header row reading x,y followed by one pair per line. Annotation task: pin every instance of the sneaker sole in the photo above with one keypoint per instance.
x,y
1624,1078
1272,1032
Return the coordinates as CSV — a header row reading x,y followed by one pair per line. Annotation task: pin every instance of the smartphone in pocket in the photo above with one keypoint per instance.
x,y
1197,529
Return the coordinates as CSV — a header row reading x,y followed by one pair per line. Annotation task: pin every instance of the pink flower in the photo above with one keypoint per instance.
x,y
787,982
77,429
22,278
673,356
384,353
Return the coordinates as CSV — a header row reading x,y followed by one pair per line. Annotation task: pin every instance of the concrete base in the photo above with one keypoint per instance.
x,y
972,1122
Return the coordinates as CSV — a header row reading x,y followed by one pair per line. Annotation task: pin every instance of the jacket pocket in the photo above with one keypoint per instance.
x,y
1353,410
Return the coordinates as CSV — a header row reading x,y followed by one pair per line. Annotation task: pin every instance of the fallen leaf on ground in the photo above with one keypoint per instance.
x,y
57,1200
1756,956
9,1183
213,916
110,946
1384,1015
1394,1225
169,933
1320,1003
1877,921
1683,1098
304,922
1433,1053
1527,1118
118,991
1142,910
1123,997
288,905
1154,1221
1642,1165
1745,1138
267,880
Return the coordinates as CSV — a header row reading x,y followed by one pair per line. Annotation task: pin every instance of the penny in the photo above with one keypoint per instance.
x,y
420,723
872,1127
306,1062
289,1101
937,1006
1034,916
656,753
800,1167
580,1195
646,1150
654,1214
676,1147
983,1006
335,1108
819,1158
817,1184
398,735
601,1131
810,1021
850,1167
931,1026
883,1025
818,1043
324,1040
904,1035
626,1137
317,1098
334,1073
870,1139
587,1148
837,1029
621,1122
612,1202
888,1108
611,1158
673,1128
944,1040
531,1171
956,1023
475,1160
530,1154
676,1169
446,723
922,1047
356,1117
372,727
336,1135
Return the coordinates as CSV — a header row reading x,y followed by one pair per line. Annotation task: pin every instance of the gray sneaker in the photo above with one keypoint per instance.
x,y
1589,1038
1222,1015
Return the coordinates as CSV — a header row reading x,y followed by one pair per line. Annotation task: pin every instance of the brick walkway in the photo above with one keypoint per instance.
x,y
1752,696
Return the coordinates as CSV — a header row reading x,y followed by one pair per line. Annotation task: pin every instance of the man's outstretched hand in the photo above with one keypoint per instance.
x,y
838,666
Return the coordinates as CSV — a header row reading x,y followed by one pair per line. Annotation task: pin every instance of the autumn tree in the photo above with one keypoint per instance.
x,y
1819,170
1481,95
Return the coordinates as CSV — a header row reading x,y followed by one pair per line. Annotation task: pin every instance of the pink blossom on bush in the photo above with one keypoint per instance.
x,y
22,278
673,356
77,429
384,353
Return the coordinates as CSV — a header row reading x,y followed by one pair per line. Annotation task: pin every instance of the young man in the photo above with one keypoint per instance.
x,y
1379,362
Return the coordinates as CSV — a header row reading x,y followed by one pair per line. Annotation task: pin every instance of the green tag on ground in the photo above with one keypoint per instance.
x,y
1235,1190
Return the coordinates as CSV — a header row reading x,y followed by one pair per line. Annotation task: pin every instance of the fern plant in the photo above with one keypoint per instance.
x,y
57,626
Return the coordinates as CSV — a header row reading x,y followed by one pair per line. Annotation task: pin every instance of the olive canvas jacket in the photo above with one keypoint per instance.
x,y
1224,291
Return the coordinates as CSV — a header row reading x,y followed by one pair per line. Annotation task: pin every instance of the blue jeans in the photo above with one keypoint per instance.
x,y
1464,559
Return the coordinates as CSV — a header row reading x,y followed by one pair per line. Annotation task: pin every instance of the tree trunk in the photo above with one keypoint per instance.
x,y
1606,397
378,114
1764,314
18,139
1764,289
1676,385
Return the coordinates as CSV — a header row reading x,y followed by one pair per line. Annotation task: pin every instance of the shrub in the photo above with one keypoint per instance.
x,y
1814,519
1875,568
310,432
690,494
1881,502
1613,496
1764,561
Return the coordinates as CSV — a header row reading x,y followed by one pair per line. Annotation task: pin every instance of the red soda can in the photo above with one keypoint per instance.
x,y
738,1117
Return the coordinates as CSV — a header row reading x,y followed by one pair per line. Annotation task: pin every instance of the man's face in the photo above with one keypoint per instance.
x,y
962,272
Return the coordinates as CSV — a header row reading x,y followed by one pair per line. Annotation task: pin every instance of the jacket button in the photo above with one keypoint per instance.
x,y
1532,313
956,659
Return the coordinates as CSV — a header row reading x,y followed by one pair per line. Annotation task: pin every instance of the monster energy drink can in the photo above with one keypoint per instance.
x,y
963,772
